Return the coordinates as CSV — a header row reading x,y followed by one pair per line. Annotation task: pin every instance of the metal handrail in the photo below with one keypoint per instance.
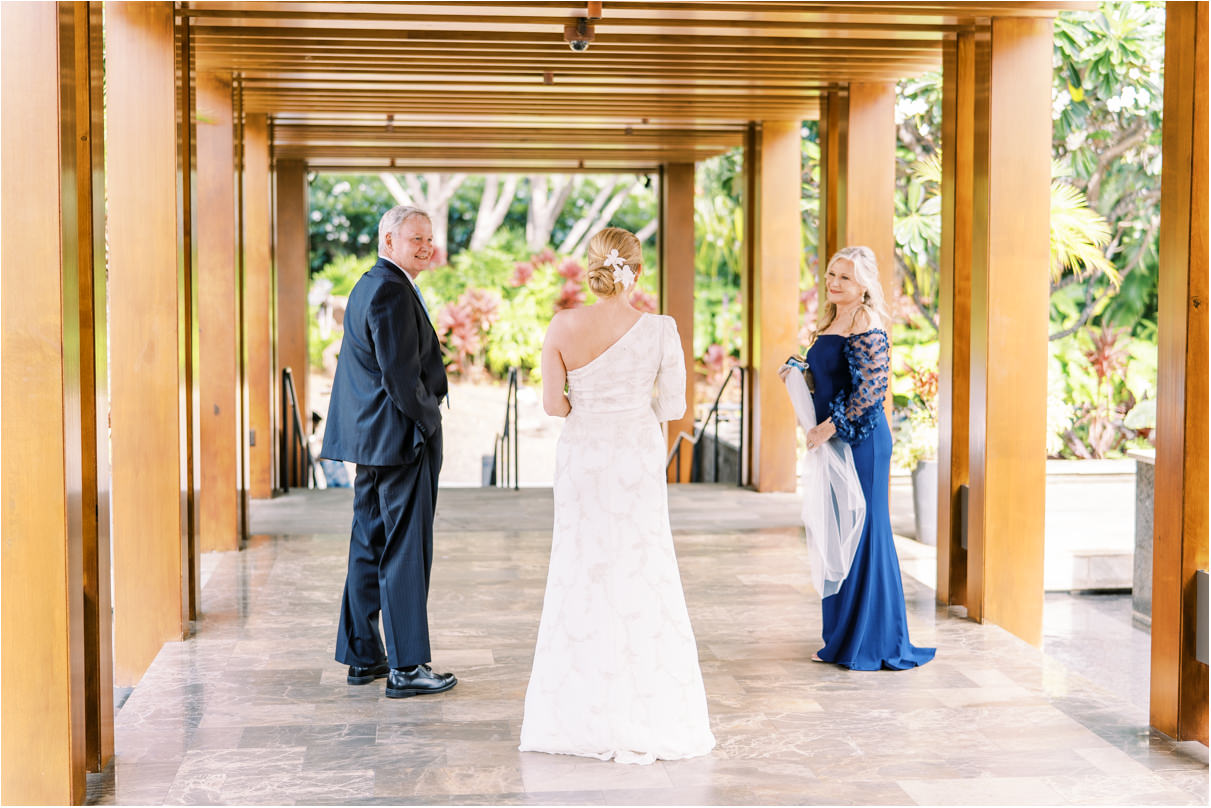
x,y
683,436
505,447
294,448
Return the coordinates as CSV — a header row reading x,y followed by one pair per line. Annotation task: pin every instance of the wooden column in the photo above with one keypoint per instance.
x,y
1009,311
258,306
772,308
218,322
870,177
677,288
146,374
751,203
94,393
188,342
833,122
292,276
954,309
42,737
1178,702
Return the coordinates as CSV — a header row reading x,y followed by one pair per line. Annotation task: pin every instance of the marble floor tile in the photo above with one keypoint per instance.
x,y
252,708
982,791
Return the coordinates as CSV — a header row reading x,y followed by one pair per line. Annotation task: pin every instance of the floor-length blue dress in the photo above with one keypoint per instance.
x,y
865,624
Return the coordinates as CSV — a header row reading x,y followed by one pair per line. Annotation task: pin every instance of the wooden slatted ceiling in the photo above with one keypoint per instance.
x,y
493,85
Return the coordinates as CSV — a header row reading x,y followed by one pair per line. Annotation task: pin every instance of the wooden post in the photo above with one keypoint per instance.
x,y
677,289
1178,701
94,393
218,323
833,123
1009,311
751,202
870,177
42,737
258,306
189,344
954,310
149,510
292,277
773,307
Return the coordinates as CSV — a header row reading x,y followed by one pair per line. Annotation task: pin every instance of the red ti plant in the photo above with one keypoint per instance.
x,y
571,295
925,388
545,256
462,326
457,330
483,305
1108,360
572,269
522,272
714,365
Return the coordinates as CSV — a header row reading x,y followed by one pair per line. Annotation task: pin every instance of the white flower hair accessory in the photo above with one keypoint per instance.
x,y
622,270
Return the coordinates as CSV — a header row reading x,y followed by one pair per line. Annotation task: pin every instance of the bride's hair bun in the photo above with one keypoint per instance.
x,y
600,276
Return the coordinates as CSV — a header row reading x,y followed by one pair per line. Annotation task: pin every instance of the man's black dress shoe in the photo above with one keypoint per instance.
x,y
417,681
364,676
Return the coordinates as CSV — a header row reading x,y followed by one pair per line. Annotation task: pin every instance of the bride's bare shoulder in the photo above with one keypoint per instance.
x,y
566,324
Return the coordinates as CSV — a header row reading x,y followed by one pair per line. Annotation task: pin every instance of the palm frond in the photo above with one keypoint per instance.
x,y
1078,235
928,169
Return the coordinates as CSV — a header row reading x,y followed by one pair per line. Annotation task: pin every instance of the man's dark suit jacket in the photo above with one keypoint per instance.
x,y
390,378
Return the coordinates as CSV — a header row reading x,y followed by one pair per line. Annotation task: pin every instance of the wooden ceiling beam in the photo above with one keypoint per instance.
x,y
610,26
555,38
521,78
562,10
320,140
631,84
804,48
367,59
551,166
697,112
489,154
482,84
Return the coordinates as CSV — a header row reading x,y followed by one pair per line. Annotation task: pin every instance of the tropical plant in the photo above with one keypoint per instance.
x,y
1106,108
1077,238
914,392
1106,381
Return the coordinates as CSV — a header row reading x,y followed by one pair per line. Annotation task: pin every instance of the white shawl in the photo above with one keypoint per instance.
x,y
834,509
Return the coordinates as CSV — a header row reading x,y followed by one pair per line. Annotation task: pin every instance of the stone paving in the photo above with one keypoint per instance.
x,y
253,710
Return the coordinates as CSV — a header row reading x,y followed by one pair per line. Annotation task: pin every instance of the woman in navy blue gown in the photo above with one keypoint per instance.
x,y
865,625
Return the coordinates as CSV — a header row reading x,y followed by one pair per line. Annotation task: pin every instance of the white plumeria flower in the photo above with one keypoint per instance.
x,y
624,275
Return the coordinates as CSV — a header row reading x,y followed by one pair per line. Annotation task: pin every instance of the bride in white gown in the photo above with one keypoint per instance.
x,y
616,670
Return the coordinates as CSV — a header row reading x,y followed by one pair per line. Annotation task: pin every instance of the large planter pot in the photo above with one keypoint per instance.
x,y
925,501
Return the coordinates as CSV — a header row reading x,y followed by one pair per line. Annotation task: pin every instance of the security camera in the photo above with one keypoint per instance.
x,y
578,36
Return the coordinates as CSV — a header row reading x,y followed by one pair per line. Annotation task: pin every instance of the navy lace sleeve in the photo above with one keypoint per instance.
x,y
856,413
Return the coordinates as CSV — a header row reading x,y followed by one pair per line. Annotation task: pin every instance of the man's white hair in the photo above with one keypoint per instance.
x,y
392,219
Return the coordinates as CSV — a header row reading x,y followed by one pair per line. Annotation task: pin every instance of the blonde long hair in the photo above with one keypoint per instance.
x,y
866,273
600,276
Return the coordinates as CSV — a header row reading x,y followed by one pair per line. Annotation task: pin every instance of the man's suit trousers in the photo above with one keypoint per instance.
x,y
390,555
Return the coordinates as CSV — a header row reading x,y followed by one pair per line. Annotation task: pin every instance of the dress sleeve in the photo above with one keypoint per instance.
x,y
669,401
855,414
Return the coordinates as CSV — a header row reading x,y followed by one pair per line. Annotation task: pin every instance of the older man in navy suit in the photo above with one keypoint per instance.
x,y
384,415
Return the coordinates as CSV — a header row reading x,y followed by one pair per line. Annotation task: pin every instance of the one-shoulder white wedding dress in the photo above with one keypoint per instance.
x,y
616,671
